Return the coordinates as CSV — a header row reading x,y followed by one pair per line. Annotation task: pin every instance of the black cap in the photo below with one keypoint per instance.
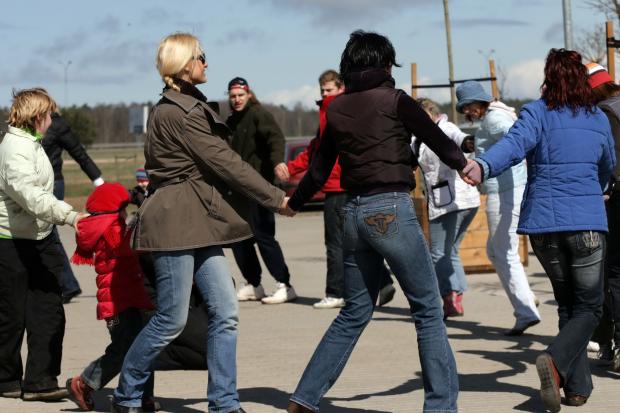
x,y
238,82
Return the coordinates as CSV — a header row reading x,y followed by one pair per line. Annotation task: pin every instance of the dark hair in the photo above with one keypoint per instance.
x,y
605,91
366,50
566,82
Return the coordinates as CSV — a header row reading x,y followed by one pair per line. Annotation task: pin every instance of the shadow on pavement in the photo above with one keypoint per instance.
x,y
279,400
103,399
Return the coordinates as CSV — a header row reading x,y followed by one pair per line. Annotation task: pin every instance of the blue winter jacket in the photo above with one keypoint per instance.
x,y
569,161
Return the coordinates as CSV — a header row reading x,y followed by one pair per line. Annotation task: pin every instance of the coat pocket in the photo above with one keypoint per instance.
x,y
442,194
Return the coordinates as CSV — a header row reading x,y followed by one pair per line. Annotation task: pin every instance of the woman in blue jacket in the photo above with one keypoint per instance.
x,y
570,155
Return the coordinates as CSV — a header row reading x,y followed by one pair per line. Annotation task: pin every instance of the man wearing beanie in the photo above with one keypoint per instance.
x,y
260,142
607,335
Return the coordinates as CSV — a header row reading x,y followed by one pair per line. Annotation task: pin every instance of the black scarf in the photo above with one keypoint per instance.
x,y
188,89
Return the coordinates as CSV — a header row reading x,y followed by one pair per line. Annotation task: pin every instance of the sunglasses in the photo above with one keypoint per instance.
x,y
202,58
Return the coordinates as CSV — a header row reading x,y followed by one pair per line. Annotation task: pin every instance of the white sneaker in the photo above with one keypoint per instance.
x,y
281,295
250,293
329,302
593,347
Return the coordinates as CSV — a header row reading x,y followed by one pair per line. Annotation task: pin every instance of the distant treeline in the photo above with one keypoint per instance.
x,y
110,123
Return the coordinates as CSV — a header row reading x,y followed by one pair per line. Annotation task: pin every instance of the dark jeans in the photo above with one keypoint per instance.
x,y
574,262
333,227
608,329
30,301
263,224
123,329
68,282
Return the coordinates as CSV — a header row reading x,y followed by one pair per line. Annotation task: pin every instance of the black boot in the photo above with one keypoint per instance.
x,y
117,408
49,395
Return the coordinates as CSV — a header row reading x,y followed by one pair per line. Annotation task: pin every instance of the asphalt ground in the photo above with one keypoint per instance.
x,y
496,373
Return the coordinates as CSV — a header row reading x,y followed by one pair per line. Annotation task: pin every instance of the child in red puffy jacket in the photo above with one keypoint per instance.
x,y
103,241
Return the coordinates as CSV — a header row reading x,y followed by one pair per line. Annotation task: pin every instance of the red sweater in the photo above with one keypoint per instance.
x,y
102,240
302,162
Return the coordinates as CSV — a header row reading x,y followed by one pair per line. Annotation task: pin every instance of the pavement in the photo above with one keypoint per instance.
x,y
496,372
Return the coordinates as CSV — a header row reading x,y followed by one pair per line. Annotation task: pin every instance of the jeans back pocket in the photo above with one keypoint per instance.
x,y
381,222
588,242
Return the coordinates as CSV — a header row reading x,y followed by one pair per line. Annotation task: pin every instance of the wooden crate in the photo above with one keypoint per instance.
x,y
473,248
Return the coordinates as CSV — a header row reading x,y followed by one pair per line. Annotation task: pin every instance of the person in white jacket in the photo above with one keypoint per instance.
x,y
452,205
30,295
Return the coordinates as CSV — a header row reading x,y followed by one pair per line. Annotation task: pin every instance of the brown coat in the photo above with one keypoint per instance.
x,y
190,166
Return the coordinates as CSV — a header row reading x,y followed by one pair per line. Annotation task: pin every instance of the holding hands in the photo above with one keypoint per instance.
x,y
285,209
78,218
472,173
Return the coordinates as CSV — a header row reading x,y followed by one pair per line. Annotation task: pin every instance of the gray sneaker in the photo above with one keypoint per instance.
x,y
616,360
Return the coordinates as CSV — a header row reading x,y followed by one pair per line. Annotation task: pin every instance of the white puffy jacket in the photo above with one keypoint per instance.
x,y
28,208
445,190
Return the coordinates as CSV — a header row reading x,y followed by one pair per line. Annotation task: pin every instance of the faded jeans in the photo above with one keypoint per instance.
x,y
503,211
574,262
378,227
175,271
447,232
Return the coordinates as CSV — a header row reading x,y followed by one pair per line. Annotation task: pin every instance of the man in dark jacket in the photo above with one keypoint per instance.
x,y
260,142
59,137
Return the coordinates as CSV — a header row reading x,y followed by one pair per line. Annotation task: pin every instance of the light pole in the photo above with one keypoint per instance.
x,y
446,15
568,24
66,79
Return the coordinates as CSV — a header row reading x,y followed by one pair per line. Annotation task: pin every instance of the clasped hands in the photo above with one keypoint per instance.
x,y
285,209
472,173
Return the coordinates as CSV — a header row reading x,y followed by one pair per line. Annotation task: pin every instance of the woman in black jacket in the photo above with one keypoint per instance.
x,y
369,128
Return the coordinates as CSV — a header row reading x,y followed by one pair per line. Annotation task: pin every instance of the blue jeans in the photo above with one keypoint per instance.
x,y
175,271
447,232
333,225
379,227
123,329
574,262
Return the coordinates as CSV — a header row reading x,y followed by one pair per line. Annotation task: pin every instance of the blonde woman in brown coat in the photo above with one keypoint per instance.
x,y
185,221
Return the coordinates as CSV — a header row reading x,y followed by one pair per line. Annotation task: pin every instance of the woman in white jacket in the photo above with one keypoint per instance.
x,y
452,205
30,295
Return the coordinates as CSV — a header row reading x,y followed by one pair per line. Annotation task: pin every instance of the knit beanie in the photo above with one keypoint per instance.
x,y
142,175
597,75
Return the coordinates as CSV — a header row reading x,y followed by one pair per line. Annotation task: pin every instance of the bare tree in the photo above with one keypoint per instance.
x,y
611,8
592,45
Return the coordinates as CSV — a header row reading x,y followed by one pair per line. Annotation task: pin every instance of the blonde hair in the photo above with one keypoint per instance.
x,y
28,104
430,107
175,52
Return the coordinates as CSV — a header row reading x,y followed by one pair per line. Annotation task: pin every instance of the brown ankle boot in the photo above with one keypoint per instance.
x,y
297,408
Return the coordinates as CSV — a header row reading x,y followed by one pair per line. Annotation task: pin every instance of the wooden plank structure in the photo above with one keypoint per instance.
x,y
612,45
473,248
